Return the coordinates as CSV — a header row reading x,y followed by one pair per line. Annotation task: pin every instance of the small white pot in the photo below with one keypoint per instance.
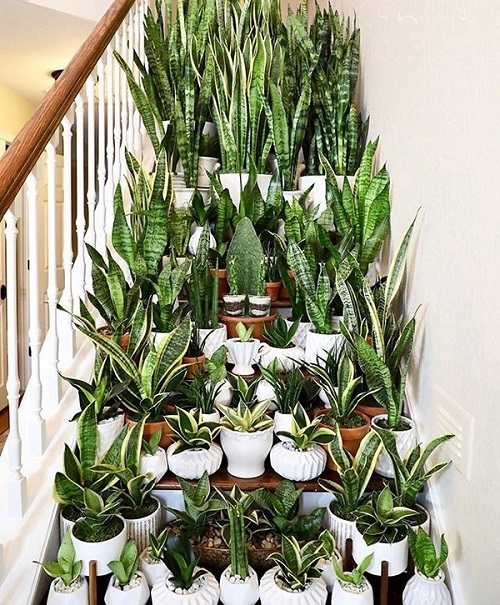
x,y
298,465
396,554
319,345
212,339
290,196
244,355
317,195
152,571
207,592
259,306
348,594
191,464
194,240
265,391
341,529
183,197
64,524
211,417
288,359
107,432
76,593
300,336
100,552
235,183
234,299
206,164
239,592
421,590
426,525
138,530
225,394
154,463
137,594
282,422
271,594
328,571
405,441
246,452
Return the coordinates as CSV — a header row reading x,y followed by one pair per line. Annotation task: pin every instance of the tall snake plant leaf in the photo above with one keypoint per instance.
x,y
170,352
377,375
121,235
281,135
86,438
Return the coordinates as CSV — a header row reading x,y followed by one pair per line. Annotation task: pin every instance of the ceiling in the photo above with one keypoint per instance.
x,y
35,40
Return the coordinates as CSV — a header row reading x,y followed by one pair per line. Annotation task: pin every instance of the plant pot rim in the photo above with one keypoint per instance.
x,y
409,421
246,319
380,541
439,578
158,505
102,541
235,432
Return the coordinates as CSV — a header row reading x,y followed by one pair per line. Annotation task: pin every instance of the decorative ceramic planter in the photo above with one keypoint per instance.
x,y
396,554
282,422
194,240
206,164
259,306
246,452
100,552
243,355
152,571
239,592
225,392
234,304
298,465
348,594
191,464
154,463
183,197
319,345
136,594
138,530
210,416
317,195
235,183
341,529
421,590
211,339
301,335
271,594
273,290
206,593
76,593
288,359
405,441
266,391
107,432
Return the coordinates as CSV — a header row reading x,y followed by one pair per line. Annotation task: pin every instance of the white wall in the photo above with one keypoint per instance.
x,y
14,112
90,9
431,84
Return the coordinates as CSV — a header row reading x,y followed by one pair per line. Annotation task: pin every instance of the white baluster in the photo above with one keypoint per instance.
x,y
136,121
117,124
91,195
123,97
79,266
37,424
50,375
100,211
110,183
17,483
142,13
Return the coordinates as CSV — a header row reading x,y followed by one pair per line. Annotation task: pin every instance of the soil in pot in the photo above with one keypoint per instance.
x,y
102,533
401,426
150,506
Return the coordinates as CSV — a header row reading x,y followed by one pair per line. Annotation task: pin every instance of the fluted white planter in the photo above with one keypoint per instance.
x,y
206,164
317,195
282,422
341,529
288,359
100,552
194,240
76,593
191,464
212,339
319,345
235,183
239,592
138,530
107,432
298,465
300,336
152,571
328,572
206,594
136,595
243,355
405,441
396,554
246,452
421,590
183,197
271,594
154,463
225,393
347,594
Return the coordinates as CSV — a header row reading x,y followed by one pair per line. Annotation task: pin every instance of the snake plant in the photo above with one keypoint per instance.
x,y
244,418
297,564
191,431
66,567
424,555
246,261
125,568
306,433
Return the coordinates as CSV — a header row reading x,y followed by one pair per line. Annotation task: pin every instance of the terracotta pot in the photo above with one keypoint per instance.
x,y
370,410
150,429
351,437
122,341
223,285
273,290
284,293
195,365
257,322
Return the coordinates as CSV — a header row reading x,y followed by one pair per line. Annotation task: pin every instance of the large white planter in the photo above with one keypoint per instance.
x,y
317,195
282,422
300,336
183,197
420,590
319,345
154,463
272,594
225,394
100,552
263,182
347,594
206,594
138,530
206,164
235,183
194,240
76,593
290,196
298,465
212,339
239,592
341,529
288,359
191,464
405,441
135,595
152,571
396,554
107,432
243,354
246,452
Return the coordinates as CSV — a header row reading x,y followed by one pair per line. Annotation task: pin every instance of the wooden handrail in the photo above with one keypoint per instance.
x,y
27,147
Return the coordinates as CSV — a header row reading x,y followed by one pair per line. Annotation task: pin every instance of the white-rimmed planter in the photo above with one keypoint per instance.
x,y
263,182
204,592
287,359
154,463
138,530
235,182
405,441
340,180
134,593
194,240
340,528
212,338
101,552
271,594
298,465
319,345
191,464
107,432
328,572
421,590
237,591
206,164
152,570
396,554
301,335
77,593
65,524
246,452
243,354
345,593
265,391
282,422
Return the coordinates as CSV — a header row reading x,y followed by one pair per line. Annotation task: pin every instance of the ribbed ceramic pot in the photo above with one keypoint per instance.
x,y
296,465
319,345
239,592
271,594
138,530
207,593
301,335
246,453
152,571
224,392
100,552
154,463
79,594
396,554
421,590
347,594
191,464
341,529
212,339
243,355
265,391
107,432
138,595
205,164
405,441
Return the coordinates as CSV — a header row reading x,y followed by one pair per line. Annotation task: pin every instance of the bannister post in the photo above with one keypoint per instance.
x,y
79,265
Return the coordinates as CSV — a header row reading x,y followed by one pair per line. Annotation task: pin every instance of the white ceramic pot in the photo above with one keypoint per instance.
x,y
243,355
239,592
237,302
107,432
194,240
154,463
64,524
421,590
300,336
206,593
272,594
317,195
340,181
259,306
152,571
319,345
76,593
225,394
405,441
211,417
341,529
396,554
191,464
265,391
212,339
282,422
298,465
246,452
178,181
206,164
289,196
328,571
101,552
347,594
138,530
137,594
288,359
263,182
235,183
183,197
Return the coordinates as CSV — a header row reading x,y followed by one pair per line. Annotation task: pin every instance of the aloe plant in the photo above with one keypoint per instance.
x,y
246,261
65,568
125,568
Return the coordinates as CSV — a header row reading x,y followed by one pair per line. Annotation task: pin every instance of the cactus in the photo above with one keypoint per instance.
x,y
246,261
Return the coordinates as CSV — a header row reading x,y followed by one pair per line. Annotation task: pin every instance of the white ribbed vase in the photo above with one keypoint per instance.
x,y
207,594
341,530
191,464
239,592
212,339
79,596
271,594
420,590
154,463
246,452
138,530
298,465
301,334
319,345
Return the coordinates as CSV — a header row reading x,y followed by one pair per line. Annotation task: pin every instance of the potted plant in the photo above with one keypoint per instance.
x,y
246,438
244,350
280,337
382,529
296,578
200,395
68,587
153,457
194,358
331,556
184,582
352,588
272,273
427,585
194,452
301,457
239,584
208,157
216,371
127,585
150,560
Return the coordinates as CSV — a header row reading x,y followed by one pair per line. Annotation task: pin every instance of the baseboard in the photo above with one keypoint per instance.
x,y
4,419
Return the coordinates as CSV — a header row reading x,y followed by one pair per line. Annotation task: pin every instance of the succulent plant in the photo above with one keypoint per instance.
x,y
305,433
125,568
65,568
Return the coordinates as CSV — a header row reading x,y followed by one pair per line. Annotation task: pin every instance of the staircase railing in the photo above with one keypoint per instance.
x,y
57,180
